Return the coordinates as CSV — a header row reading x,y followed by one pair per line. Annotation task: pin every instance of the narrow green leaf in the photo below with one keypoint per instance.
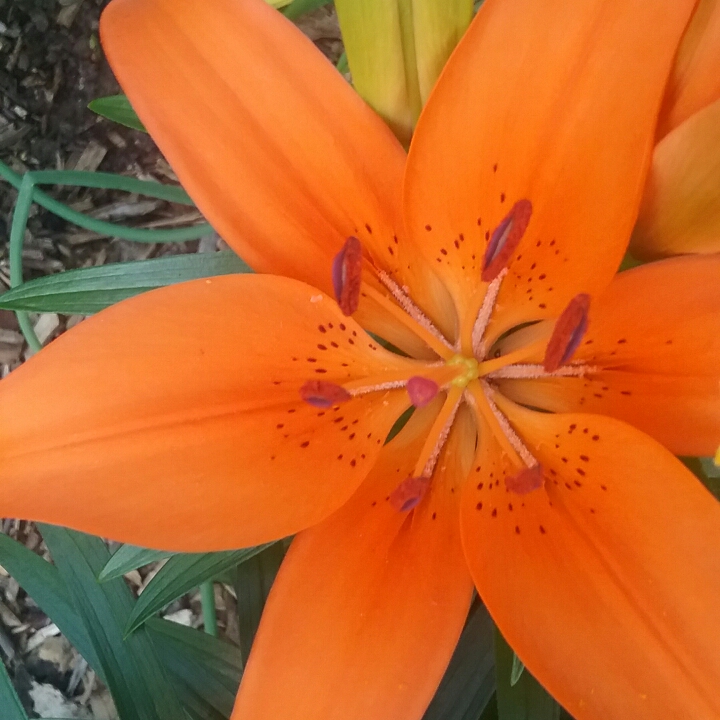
x,y
526,699
469,682
135,678
127,558
253,580
516,671
206,671
118,109
42,582
297,8
10,706
90,290
180,574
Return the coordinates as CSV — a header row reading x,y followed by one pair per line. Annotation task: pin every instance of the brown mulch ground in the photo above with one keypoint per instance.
x,y
51,67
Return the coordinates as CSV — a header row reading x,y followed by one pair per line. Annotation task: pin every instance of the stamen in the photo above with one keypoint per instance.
x,y
421,390
483,318
439,372
408,494
532,371
438,434
406,303
425,331
568,332
507,437
505,239
526,480
347,275
322,394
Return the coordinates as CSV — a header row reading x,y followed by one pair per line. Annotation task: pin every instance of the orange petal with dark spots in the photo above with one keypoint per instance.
x,y
653,356
606,582
371,638
274,146
695,79
549,124
167,406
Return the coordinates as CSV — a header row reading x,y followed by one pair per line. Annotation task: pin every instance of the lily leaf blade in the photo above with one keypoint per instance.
x,y
180,574
130,557
136,679
89,290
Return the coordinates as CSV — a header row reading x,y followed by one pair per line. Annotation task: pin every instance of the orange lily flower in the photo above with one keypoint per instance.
x,y
680,211
239,409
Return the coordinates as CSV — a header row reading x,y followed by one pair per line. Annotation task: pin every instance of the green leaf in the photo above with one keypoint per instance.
x,y
10,704
297,8
127,558
526,699
134,676
42,582
253,580
180,574
206,671
118,109
469,682
90,290
517,670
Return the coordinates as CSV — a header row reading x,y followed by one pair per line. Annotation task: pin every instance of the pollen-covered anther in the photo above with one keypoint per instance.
x,y
505,238
569,330
526,480
408,494
422,391
323,394
347,275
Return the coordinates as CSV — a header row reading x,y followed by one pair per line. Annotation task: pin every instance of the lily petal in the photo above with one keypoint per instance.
x,y
275,147
695,79
372,634
551,102
681,413
169,406
654,364
680,211
606,581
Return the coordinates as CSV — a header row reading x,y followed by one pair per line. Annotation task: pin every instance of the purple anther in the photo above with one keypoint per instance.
x,y
505,238
322,394
422,391
347,275
569,330
409,493
525,481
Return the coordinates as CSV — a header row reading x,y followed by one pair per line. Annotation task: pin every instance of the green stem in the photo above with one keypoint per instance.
x,y
207,602
108,181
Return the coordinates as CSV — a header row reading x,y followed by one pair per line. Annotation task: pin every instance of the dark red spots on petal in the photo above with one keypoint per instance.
x,y
322,329
494,512
479,506
409,493
428,228
505,239
568,332
304,444
322,394
525,481
542,530
347,275
422,391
